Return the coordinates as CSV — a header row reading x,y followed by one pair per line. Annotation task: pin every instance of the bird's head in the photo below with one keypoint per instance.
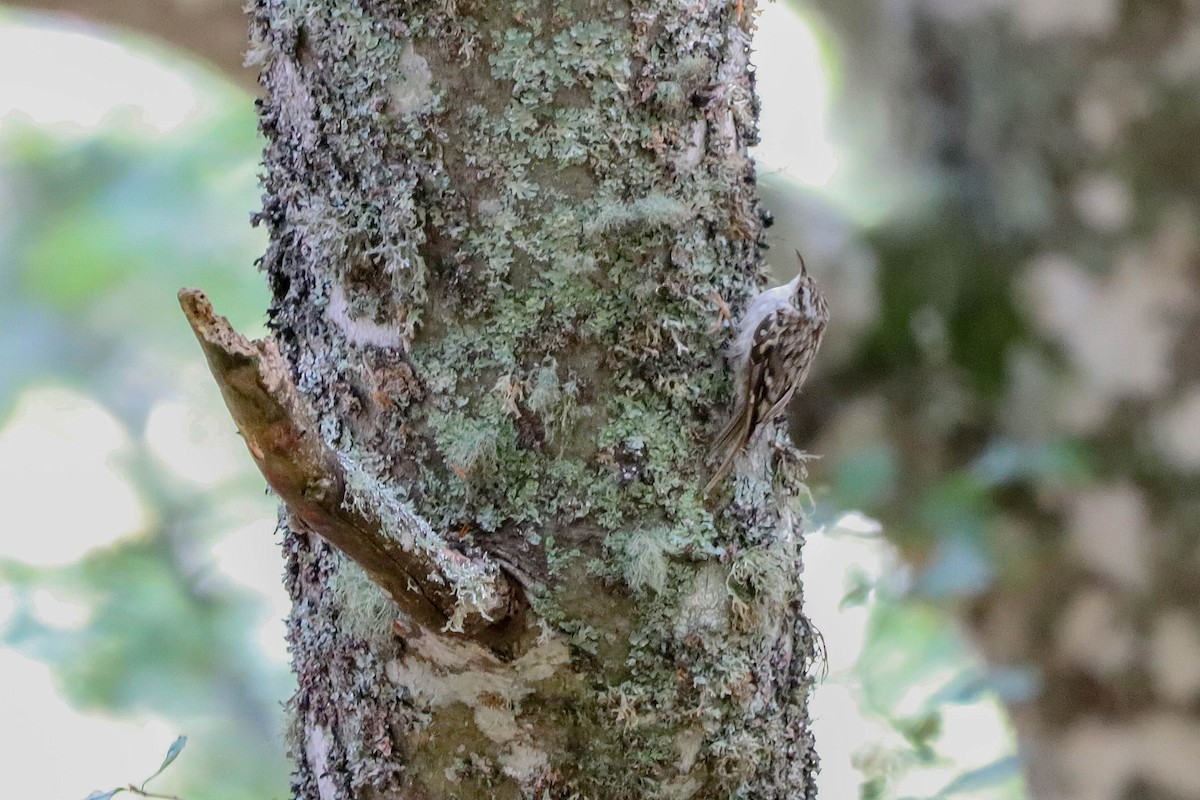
x,y
807,298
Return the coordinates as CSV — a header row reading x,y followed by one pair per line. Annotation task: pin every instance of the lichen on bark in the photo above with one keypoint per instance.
x,y
499,238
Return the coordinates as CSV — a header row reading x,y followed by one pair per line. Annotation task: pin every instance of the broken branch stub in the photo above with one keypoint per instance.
x,y
310,480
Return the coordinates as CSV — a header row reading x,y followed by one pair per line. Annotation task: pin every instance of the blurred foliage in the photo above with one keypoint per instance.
x,y
915,668
140,789
98,233
97,227
916,665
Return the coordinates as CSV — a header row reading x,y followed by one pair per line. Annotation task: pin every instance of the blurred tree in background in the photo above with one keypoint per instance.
x,y
1010,387
1028,394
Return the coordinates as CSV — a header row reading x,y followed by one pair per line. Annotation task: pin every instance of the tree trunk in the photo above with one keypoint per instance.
x,y
1037,352
500,239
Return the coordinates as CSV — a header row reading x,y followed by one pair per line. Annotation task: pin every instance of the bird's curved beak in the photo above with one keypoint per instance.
x,y
803,268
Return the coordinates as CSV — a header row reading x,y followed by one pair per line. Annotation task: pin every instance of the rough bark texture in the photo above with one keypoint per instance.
x,y
500,236
1037,358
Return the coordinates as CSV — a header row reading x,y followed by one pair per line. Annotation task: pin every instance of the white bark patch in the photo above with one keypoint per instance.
x,y
544,661
316,751
705,609
693,154
1175,656
410,91
441,672
688,742
1094,635
498,724
524,764
683,787
297,108
1046,18
723,132
1119,332
1110,531
360,331
1177,432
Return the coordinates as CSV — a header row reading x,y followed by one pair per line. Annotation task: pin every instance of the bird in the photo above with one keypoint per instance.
x,y
776,342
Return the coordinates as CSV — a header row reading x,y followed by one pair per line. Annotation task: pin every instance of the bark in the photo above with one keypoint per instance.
x,y
500,239
1040,303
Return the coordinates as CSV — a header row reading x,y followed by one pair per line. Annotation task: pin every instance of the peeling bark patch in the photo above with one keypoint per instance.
x,y
440,673
361,332
410,90
317,751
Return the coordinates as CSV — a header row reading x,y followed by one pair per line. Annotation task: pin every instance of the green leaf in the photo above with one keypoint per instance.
x,y
1012,684
960,568
920,732
873,789
99,795
997,772
172,753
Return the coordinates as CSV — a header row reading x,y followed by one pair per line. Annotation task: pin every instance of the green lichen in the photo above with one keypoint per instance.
x,y
367,611
466,442
616,217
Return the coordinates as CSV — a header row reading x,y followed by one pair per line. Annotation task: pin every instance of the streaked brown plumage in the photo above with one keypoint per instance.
x,y
776,343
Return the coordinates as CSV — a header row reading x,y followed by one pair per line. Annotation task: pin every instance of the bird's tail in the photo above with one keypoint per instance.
x,y
729,443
